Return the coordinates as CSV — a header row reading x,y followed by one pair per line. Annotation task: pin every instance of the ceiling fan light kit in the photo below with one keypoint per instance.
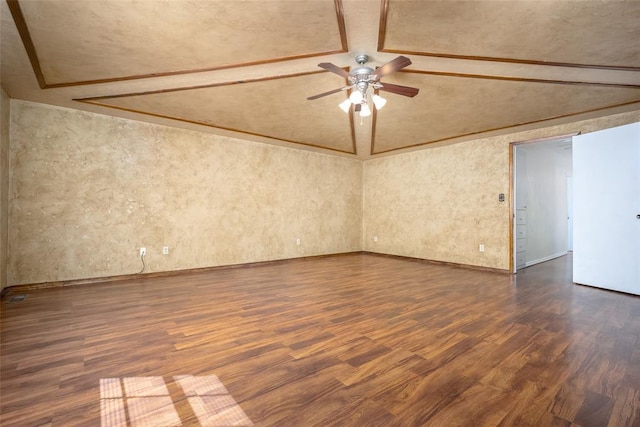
x,y
363,78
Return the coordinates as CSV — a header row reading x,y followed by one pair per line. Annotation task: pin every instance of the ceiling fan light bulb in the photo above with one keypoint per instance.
x,y
378,101
365,111
356,97
345,105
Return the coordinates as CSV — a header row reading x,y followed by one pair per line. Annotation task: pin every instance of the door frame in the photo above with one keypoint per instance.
x,y
512,189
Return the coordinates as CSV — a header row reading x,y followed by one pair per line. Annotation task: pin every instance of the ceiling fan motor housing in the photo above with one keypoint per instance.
x,y
361,71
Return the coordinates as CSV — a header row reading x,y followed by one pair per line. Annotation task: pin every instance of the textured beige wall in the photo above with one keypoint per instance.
x,y
442,203
4,183
87,190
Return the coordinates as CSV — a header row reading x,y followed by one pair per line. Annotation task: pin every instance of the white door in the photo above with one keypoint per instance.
x,y
606,205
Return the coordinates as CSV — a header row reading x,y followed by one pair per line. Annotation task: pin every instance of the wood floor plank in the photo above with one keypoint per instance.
x,y
626,410
349,340
595,410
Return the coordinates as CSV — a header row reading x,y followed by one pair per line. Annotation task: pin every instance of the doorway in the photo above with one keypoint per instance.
x,y
570,213
542,200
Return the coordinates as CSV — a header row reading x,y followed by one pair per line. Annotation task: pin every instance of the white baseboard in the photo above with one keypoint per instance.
x,y
547,258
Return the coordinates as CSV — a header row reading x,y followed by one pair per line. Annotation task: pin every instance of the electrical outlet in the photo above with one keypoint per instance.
x,y
298,242
375,238
481,248
165,250
143,251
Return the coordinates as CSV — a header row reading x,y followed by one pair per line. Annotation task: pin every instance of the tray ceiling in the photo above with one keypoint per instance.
x,y
542,32
114,40
232,107
484,103
245,68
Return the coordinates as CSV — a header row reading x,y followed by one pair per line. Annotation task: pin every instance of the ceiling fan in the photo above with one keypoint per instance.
x,y
362,78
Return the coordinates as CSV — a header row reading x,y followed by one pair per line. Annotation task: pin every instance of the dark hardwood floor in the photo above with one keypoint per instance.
x,y
357,339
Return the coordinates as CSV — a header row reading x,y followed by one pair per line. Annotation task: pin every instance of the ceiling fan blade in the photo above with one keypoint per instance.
x,y
320,95
400,90
392,66
334,69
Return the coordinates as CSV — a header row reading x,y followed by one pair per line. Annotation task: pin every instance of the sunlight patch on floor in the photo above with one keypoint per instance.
x,y
146,401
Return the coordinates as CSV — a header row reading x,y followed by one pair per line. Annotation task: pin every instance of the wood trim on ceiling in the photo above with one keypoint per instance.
x,y
354,145
382,33
493,77
195,122
353,131
342,28
512,60
522,79
95,100
422,144
205,86
352,119
374,121
382,27
23,30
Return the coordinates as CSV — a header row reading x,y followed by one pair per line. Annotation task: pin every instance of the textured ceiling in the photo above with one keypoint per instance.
x,y
245,68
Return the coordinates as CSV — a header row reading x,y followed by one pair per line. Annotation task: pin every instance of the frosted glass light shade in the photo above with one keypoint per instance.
x,y
345,105
378,101
356,97
365,111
